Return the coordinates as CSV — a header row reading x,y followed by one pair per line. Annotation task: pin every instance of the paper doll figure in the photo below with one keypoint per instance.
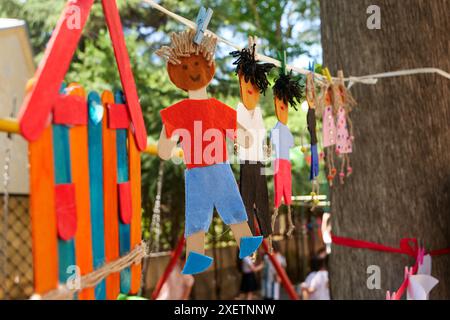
x,y
287,91
253,182
311,121
202,124
344,128
329,134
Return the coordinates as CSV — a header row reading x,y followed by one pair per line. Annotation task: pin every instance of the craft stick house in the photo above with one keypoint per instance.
x,y
84,155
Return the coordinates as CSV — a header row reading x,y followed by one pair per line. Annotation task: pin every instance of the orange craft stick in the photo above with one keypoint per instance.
x,y
80,178
110,198
43,215
135,181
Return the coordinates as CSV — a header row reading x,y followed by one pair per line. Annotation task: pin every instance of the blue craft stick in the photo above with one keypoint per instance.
x,y
61,154
95,142
123,176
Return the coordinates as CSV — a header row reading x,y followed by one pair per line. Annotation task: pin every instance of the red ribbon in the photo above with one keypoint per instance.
x,y
408,246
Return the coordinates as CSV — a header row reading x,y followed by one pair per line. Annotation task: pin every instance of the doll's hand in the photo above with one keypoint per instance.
x,y
267,150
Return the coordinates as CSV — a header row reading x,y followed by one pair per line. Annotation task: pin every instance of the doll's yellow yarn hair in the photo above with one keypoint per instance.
x,y
182,45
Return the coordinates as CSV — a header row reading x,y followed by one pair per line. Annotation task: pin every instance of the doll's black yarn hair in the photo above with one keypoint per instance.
x,y
251,69
288,88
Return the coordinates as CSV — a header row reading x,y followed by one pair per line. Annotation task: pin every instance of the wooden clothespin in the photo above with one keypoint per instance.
x,y
203,19
327,74
252,43
340,75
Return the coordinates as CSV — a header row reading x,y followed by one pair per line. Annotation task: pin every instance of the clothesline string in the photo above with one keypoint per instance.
x,y
367,79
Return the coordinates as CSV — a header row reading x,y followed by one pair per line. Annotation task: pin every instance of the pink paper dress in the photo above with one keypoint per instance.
x,y
328,128
343,138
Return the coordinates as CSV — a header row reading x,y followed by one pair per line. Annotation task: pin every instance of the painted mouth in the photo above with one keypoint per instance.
x,y
250,92
195,79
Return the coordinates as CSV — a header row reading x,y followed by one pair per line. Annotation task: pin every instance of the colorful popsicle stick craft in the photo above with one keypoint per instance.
x,y
85,171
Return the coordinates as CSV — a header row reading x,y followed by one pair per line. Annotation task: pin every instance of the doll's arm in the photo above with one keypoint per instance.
x,y
243,137
166,146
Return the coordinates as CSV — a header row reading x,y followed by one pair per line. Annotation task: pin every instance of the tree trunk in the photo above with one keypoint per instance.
x,y
401,158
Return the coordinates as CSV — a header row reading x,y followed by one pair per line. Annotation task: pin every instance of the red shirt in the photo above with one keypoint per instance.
x,y
202,126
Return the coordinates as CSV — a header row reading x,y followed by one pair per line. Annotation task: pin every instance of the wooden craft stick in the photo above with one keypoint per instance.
x,y
126,75
80,178
61,154
63,175
136,233
43,216
96,193
123,176
110,198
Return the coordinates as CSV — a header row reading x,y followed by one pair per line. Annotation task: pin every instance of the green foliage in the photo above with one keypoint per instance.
x,y
279,24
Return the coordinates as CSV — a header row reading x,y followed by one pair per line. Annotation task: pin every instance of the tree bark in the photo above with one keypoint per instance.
x,y
401,157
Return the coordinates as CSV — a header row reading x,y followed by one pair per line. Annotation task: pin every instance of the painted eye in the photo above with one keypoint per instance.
x,y
185,67
196,63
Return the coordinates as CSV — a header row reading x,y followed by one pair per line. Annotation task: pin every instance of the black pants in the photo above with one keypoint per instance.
x,y
253,187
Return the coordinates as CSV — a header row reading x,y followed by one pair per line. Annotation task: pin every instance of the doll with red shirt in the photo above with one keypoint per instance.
x,y
287,91
201,125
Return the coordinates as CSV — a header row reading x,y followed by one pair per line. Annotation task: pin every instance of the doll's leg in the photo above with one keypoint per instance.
x,y
290,222
247,243
196,243
329,166
274,218
333,167
196,261
342,173
349,167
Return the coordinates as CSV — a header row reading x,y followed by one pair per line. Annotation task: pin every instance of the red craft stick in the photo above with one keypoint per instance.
x,y
38,103
126,76
70,110
118,117
135,228
66,211
125,209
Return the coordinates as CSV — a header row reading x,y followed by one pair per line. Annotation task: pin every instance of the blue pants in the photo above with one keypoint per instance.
x,y
209,187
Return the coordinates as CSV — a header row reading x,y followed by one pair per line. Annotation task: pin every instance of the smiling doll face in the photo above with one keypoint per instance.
x,y
282,111
249,93
193,73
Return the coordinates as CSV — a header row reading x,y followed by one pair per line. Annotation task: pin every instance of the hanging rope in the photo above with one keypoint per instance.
x,y
156,217
371,79
94,278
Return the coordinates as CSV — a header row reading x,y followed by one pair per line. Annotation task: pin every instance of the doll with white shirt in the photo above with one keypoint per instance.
x,y
253,182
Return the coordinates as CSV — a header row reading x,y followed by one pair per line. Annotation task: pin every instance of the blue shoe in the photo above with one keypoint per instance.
x,y
249,245
196,263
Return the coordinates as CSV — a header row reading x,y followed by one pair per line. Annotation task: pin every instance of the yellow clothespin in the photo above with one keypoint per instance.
x,y
327,74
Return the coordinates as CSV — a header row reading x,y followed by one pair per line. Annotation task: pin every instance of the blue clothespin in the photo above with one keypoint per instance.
x,y
203,19
312,67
